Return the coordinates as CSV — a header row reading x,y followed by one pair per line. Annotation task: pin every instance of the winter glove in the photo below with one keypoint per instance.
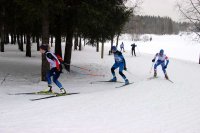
x,y
153,60
165,66
125,68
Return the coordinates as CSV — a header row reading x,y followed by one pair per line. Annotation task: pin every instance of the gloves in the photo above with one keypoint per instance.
x,y
125,68
153,60
165,66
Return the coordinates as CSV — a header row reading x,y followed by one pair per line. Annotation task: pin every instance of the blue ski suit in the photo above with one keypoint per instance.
x,y
119,62
161,61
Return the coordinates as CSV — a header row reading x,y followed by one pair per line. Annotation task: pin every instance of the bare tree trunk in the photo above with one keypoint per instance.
x,y
84,41
97,47
25,39
21,43
34,40
12,38
102,50
80,44
68,50
45,38
28,46
58,49
18,42
2,39
117,40
15,37
112,38
2,31
51,41
38,42
76,42
7,41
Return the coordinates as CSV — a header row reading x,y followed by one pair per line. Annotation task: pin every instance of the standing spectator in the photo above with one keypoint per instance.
x,y
133,49
122,47
150,39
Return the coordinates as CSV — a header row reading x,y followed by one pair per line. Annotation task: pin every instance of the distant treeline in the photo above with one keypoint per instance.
x,y
154,25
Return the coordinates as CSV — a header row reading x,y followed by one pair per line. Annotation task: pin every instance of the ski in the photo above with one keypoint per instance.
x,y
157,77
52,96
150,78
34,93
105,81
170,80
124,85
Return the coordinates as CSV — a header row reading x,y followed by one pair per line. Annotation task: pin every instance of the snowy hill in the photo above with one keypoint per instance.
x,y
147,106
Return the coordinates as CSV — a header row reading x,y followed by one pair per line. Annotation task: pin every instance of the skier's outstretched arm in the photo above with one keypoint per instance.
x,y
124,64
155,57
167,62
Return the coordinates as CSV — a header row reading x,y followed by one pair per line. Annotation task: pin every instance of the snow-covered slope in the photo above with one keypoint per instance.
x,y
147,106
184,46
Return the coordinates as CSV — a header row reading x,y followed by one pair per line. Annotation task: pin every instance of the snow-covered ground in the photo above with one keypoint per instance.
x,y
183,46
147,106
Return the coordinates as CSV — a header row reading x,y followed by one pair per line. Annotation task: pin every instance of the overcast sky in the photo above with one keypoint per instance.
x,y
161,8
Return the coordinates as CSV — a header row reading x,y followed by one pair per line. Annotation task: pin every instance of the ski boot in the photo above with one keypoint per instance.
x,y
62,91
155,74
166,76
47,91
126,82
50,89
114,79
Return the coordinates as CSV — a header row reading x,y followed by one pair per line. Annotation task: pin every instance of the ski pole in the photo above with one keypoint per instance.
x,y
4,78
151,67
78,67
129,72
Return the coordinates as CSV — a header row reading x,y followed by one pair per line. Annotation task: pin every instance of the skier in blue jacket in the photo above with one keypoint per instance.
x,y
161,58
119,62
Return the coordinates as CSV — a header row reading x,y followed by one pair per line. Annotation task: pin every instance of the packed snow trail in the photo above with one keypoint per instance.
x,y
147,106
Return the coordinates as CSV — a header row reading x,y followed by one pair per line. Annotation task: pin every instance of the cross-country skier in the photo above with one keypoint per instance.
x,y
119,62
122,47
161,58
55,69
133,48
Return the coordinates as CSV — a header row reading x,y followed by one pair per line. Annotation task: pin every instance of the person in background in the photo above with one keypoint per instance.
x,y
133,49
122,47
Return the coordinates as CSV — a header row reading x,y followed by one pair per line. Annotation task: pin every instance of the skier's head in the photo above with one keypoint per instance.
x,y
161,52
113,48
43,48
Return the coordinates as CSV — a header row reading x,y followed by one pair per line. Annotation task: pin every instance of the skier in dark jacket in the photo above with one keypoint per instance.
x,y
55,69
119,62
133,48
